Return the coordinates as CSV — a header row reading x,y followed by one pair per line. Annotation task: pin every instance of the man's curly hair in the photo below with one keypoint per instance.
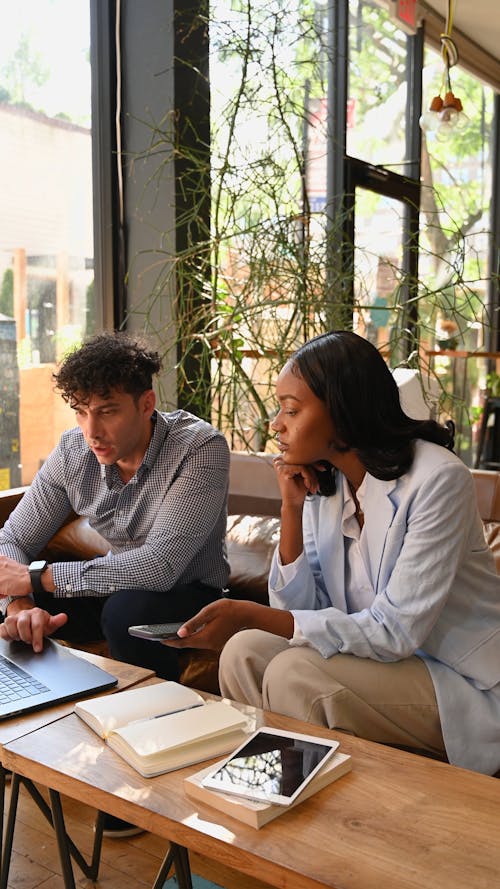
x,y
106,362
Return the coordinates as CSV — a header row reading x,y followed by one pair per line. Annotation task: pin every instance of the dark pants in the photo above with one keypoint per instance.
x,y
92,618
84,616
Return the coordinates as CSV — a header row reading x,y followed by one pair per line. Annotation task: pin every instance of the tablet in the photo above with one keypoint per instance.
x,y
272,765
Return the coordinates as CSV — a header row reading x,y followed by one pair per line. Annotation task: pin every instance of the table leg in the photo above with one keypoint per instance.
x,y
9,831
179,858
2,810
54,815
182,868
89,870
67,848
62,840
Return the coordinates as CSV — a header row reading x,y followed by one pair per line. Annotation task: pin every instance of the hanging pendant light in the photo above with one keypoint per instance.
x,y
445,114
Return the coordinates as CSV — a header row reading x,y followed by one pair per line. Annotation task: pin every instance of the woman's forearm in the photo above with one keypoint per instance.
x,y
291,537
221,619
272,620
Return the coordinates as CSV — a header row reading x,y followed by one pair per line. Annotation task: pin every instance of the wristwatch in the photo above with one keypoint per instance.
x,y
36,570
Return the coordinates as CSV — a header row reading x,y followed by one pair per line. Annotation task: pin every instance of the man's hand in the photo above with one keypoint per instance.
x,y
14,578
30,625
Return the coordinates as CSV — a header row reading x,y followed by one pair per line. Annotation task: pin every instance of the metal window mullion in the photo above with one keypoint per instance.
x,y
103,79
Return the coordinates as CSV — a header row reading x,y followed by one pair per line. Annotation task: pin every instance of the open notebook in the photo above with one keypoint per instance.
x,y
30,681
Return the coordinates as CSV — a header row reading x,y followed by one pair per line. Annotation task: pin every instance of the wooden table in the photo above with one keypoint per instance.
x,y
396,821
18,726
127,676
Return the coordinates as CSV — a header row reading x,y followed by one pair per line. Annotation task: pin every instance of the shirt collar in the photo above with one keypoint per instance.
x,y
360,493
160,430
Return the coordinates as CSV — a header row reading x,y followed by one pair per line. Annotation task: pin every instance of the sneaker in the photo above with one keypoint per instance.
x,y
118,829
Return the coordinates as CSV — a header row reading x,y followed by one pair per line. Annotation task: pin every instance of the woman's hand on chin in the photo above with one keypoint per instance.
x,y
296,481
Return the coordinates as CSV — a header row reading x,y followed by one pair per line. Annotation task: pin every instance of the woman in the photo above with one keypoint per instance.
x,y
385,603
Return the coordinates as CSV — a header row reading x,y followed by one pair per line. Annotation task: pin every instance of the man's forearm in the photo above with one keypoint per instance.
x,y
17,577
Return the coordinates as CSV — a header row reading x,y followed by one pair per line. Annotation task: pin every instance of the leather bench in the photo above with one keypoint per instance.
x,y
253,531
252,534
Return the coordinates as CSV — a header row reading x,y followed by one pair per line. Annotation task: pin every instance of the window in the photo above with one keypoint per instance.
x,y
377,77
378,264
455,225
46,230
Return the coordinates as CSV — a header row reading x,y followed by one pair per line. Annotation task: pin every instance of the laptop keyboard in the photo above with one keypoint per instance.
x,y
16,684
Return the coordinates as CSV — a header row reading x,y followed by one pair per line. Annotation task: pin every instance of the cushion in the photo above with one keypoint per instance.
x,y
76,540
251,541
199,669
492,534
487,487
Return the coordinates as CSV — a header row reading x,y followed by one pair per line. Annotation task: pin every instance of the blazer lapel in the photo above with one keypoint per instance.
x,y
379,513
331,547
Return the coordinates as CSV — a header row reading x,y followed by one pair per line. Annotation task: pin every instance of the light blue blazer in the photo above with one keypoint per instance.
x,y
436,593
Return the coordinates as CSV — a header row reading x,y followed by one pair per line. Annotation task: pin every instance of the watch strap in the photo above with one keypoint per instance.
x,y
36,577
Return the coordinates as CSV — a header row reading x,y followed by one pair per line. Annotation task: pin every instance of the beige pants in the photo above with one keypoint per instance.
x,y
392,703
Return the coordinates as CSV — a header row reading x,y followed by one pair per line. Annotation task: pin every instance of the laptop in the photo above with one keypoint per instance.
x,y
30,681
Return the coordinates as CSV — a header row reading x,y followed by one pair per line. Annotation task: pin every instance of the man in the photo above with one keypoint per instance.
x,y
153,484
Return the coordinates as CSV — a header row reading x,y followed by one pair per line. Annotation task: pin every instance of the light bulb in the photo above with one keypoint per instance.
x,y
443,116
429,121
444,132
451,121
462,121
448,116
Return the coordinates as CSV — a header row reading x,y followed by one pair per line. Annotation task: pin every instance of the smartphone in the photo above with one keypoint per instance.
x,y
156,632
326,479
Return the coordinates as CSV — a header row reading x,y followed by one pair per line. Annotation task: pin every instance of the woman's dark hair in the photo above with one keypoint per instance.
x,y
111,360
350,376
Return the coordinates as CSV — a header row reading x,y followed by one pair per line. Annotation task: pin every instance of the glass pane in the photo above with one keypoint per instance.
x,y
378,271
46,238
454,245
268,166
377,86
